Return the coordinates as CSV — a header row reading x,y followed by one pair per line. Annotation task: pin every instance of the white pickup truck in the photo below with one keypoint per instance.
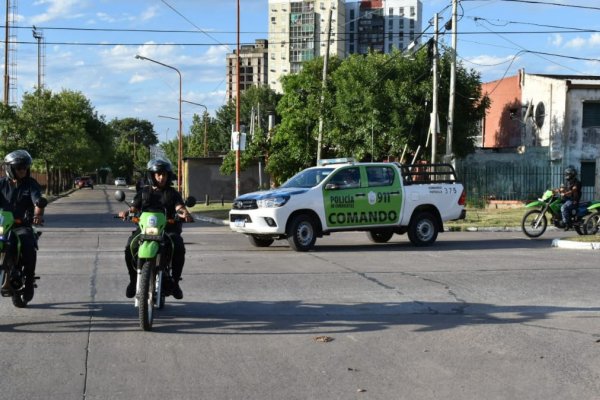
x,y
342,195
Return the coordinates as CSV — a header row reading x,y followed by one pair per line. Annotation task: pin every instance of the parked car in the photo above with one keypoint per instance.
x,y
120,181
85,181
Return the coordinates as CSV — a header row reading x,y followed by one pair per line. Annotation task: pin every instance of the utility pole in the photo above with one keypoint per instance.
x,y
37,35
449,154
6,45
324,87
434,112
237,106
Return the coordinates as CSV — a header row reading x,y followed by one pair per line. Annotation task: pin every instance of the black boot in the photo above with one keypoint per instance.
x,y
175,289
130,291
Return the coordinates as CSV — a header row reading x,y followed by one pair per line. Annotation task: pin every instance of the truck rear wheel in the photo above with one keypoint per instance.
x,y
423,229
380,235
302,233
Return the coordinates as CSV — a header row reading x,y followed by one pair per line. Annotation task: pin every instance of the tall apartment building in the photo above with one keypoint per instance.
x,y
382,25
254,64
298,33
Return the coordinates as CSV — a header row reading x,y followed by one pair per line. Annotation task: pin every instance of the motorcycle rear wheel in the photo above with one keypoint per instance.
x,y
591,223
146,300
534,223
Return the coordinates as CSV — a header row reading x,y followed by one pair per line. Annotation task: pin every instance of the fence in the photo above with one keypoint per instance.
x,y
512,182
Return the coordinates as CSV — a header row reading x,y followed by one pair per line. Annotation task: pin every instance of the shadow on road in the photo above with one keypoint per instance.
x,y
285,317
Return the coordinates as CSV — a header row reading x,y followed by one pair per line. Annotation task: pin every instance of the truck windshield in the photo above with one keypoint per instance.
x,y
307,178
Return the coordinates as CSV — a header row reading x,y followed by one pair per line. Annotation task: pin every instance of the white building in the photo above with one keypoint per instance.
x,y
382,25
298,33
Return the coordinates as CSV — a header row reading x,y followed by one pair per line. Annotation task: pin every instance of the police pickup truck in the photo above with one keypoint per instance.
x,y
343,195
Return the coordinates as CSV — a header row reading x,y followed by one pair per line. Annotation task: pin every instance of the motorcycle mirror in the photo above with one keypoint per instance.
x,y
42,202
120,195
190,201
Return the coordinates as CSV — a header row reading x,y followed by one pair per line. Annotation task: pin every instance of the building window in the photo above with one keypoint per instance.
x,y
401,11
591,114
412,11
391,12
588,173
273,20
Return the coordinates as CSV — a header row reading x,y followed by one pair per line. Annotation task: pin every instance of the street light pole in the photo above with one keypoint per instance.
x,y
237,105
180,134
205,125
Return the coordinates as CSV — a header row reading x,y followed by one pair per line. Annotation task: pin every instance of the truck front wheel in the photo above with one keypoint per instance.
x,y
423,229
301,233
380,235
260,241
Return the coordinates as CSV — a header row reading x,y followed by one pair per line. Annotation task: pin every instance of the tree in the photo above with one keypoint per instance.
x,y
134,137
51,126
256,104
375,106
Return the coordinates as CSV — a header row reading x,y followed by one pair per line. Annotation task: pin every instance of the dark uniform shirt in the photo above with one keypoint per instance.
x,y
154,199
573,183
20,198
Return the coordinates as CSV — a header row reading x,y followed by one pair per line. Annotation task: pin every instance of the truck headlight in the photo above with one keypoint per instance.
x,y
272,202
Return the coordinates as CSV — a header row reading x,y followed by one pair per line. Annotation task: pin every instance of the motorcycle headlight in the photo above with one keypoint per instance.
x,y
151,231
272,202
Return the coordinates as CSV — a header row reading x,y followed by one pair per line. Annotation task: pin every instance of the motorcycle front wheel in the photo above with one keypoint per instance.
x,y
534,223
146,293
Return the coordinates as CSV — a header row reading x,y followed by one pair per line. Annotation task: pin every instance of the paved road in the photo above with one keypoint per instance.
x,y
477,316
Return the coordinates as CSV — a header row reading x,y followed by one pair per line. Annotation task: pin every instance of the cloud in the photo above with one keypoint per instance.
x,y
576,43
595,39
556,40
149,13
136,78
58,9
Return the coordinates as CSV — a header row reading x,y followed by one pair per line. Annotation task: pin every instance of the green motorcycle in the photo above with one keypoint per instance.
x,y
153,260
535,222
12,270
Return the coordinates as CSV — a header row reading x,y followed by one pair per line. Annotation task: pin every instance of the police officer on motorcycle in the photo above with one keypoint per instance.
x,y
571,194
21,194
159,194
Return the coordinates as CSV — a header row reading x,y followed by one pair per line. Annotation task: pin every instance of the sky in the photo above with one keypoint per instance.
x,y
90,46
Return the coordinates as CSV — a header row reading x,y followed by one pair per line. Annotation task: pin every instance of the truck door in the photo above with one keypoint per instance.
x,y
362,196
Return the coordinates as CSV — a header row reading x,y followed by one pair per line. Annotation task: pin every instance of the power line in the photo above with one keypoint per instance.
x,y
545,3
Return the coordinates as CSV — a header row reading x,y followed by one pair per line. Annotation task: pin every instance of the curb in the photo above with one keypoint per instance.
x,y
211,220
569,244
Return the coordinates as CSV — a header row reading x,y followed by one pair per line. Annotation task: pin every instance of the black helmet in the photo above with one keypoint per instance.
x,y
570,172
18,158
158,165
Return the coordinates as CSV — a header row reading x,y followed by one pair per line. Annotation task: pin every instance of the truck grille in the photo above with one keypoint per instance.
x,y
244,205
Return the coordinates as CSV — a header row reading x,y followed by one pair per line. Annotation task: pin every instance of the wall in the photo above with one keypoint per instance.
x,y
552,93
499,130
202,177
